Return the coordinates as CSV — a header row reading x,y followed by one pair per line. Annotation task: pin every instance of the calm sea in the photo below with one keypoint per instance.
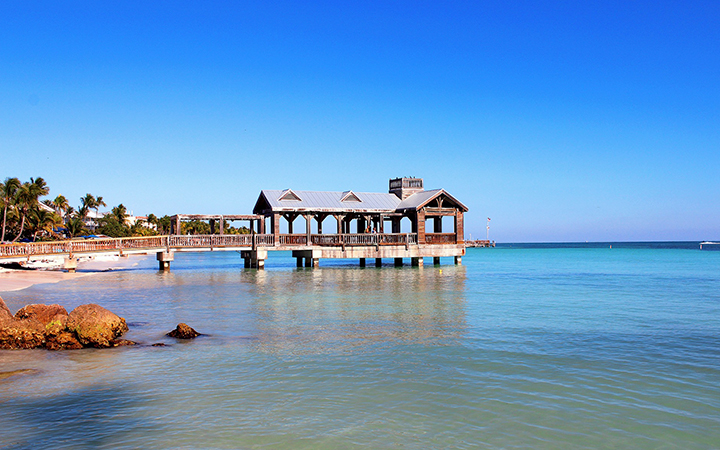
x,y
523,346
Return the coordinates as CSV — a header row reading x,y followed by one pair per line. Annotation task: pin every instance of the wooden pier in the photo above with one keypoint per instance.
x,y
365,213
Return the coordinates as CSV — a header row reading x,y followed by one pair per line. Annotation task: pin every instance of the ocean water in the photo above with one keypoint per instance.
x,y
523,346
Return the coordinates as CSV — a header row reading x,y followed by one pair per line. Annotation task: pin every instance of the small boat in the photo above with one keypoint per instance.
x,y
708,245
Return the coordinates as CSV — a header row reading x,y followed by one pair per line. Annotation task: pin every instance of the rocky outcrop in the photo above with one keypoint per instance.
x,y
44,313
183,331
25,333
51,327
95,326
4,310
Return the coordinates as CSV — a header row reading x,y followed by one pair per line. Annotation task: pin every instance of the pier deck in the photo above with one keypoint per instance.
x,y
254,247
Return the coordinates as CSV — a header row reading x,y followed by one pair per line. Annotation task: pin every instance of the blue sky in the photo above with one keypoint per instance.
x,y
562,121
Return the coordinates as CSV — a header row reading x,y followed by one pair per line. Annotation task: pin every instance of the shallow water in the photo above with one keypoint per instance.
x,y
522,346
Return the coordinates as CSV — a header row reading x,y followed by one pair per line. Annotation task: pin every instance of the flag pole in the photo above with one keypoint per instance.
x,y
488,230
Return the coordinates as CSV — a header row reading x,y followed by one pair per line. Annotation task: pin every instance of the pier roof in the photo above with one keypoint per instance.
x,y
325,201
420,199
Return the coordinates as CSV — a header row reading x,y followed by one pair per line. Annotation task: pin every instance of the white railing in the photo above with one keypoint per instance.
x,y
217,241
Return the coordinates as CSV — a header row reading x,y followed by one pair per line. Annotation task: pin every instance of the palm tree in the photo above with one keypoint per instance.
x,y
86,204
98,203
8,190
120,213
42,220
61,205
27,199
76,226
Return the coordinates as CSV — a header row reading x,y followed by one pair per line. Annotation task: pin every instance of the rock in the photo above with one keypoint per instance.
x,y
63,340
44,313
4,310
121,343
183,331
159,344
25,333
95,326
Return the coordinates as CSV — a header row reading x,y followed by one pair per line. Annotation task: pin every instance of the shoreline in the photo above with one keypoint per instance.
x,y
19,279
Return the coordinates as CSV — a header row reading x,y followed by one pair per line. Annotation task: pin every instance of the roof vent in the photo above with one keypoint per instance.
x,y
349,196
289,195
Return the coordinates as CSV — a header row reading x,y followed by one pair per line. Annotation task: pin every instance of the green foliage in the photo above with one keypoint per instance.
x,y
111,226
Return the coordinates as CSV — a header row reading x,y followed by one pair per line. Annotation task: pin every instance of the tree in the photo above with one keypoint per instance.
x,y
8,191
27,199
61,205
120,213
42,220
76,227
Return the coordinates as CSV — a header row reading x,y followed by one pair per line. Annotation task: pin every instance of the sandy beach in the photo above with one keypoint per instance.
x,y
16,279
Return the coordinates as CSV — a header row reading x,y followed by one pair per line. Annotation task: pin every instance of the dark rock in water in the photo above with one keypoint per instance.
x,y
159,344
121,343
183,331
95,326
44,313
25,333
4,310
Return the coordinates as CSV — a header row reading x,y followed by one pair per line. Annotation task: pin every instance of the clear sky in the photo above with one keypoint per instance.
x,y
561,121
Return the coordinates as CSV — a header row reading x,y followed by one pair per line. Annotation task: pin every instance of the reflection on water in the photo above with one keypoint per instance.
x,y
529,348
336,309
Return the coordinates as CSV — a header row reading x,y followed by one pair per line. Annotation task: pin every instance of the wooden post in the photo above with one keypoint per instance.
x,y
308,228
396,224
362,262
420,226
378,262
275,228
436,260
459,228
340,219
222,225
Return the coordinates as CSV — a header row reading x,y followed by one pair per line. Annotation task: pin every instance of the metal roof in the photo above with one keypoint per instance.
x,y
335,201
420,199
331,201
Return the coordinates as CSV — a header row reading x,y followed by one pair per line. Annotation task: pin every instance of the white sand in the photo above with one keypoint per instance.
x,y
14,280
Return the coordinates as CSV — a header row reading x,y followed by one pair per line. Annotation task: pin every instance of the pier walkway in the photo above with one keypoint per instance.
x,y
306,248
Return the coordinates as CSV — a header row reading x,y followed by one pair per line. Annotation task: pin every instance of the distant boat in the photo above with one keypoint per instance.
x,y
707,245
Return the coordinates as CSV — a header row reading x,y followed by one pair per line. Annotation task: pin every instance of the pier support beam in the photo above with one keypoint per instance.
x,y
311,257
378,262
398,262
254,259
362,262
436,260
458,260
70,265
416,262
299,262
164,259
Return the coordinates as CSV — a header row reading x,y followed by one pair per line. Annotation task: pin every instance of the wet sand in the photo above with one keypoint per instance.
x,y
15,280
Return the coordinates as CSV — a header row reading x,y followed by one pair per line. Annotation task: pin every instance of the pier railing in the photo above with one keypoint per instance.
x,y
440,238
178,242
363,239
82,246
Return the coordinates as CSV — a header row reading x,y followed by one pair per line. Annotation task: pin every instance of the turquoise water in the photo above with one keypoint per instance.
x,y
520,347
